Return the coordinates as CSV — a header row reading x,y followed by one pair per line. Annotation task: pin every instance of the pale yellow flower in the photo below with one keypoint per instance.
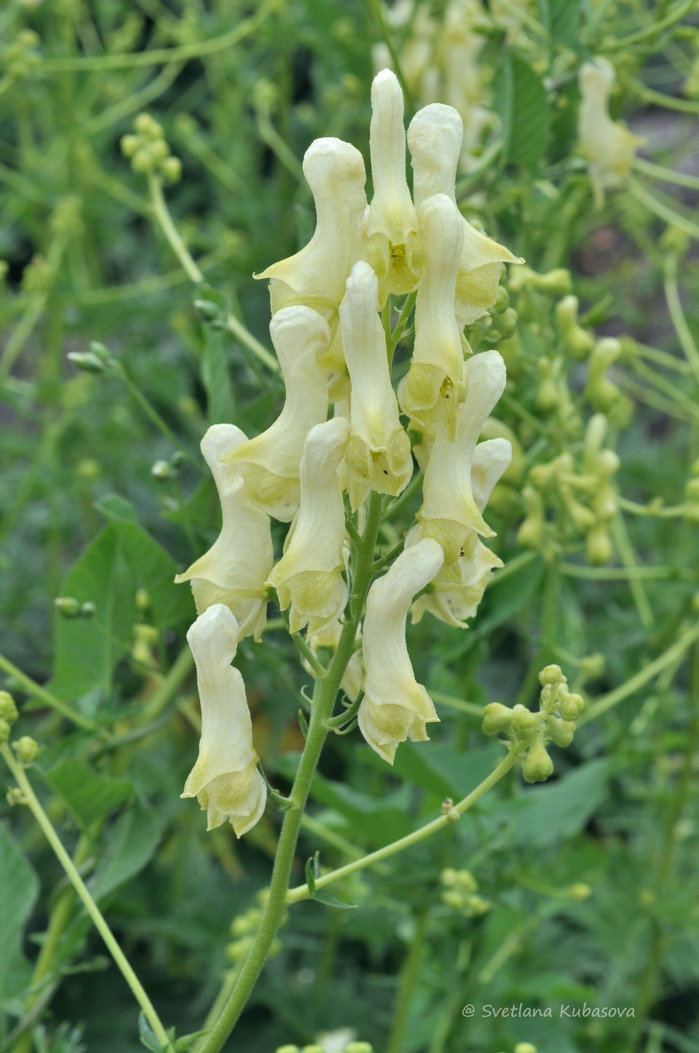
x,y
434,140
433,387
456,592
391,222
225,778
395,706
270,462
235,568
315,276
308,578
378,453
608,147
450,512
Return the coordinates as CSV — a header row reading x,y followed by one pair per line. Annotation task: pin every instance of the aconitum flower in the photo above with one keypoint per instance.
x,y
395,707
235,568
434,140
308,578
225,779
457,590
378,453
270,462
391,222
450,512
433,387
315,276
608,147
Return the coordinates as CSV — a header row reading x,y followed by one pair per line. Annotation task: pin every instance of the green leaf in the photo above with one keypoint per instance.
x,y
87,796
119,562
215,375
148,1037
19,887
548,814
561,19
187,1041
330,901
131,844
88,650
521,103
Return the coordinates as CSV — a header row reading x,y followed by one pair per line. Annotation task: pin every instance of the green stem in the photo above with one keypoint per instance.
x,y
408,981
44,696
612,698
324,695
655,28
666,175
88,902
677,315
301,892
164,219
628,558
666,212
129,60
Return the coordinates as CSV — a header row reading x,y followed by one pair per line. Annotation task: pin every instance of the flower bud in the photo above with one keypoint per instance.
x,y
537,764
27,749
496,718
8,707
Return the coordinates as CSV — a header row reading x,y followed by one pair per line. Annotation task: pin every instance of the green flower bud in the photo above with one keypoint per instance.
x,y
145,125
524,722
27,749
359,1047
68,606
171,169
537,764
287,1049
8,707
129,144
572,706
5,730
162,470
551,674
560,732
15,796
88,610
579,891
598,547
525,1047
86,361
496,718
312,1049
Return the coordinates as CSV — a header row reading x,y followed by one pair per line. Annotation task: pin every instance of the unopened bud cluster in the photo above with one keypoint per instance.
x,y
336,362
530,733
149,151
460,892
581,495
351,1047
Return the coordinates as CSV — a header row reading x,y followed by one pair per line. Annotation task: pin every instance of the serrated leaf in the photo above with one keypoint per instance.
x,y
131,844
521,103
561,19
87,796
19,887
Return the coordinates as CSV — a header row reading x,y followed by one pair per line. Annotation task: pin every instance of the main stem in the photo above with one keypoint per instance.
x,y
324,695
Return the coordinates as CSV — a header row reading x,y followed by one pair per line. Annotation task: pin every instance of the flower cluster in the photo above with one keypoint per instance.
x,y
304,470
529,733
